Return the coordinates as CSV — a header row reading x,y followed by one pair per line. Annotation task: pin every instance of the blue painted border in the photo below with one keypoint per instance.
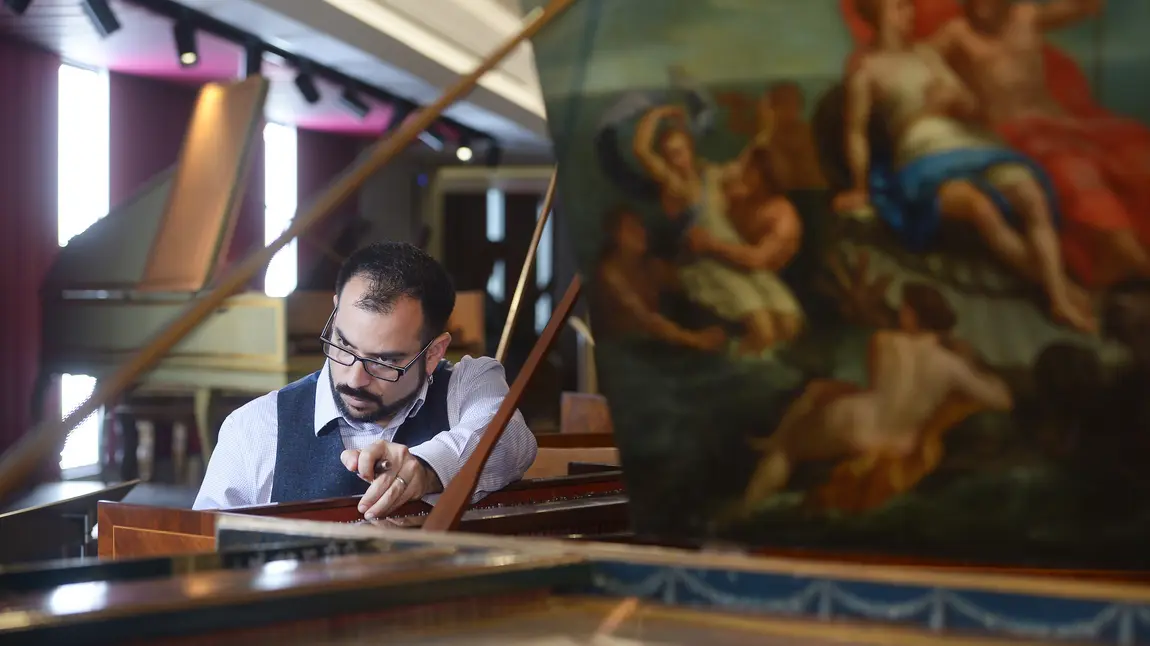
x,y
933,608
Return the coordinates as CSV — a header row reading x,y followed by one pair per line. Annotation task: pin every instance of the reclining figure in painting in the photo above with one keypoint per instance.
x,y
940,165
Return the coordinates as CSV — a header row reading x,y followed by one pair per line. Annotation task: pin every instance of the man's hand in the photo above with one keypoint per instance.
x,y
404,477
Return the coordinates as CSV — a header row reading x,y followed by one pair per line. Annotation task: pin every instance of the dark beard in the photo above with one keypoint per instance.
x,y
383,410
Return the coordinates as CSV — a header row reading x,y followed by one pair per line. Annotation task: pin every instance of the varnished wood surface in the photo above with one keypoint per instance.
x,y
1000,580
99,612
555,461
584,413
128,530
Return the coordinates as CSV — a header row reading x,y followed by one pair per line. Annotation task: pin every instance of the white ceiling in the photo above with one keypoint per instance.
x,y
413,48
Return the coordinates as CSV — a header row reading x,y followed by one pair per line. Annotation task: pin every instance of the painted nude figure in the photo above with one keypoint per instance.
x,y
629,284
943,167
1100,165
720,270
763,217
915,372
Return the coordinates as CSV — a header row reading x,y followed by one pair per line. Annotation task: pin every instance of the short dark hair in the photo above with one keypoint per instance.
x,y
398,269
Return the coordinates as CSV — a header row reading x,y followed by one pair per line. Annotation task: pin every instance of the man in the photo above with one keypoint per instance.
x,y
1100,165
386,417
942,168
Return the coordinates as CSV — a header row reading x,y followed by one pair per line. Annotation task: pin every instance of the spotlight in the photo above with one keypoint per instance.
x,y
307,87
17,7
350,100
102,17
463,153
185,36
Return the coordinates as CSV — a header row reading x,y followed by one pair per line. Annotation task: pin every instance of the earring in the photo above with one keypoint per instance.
x,y
430,379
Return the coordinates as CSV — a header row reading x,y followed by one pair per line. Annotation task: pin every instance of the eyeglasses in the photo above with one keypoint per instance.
x,y
374,367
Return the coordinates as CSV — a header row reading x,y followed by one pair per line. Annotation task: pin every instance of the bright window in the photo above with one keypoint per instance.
x,y
496,218
497,280
542,312
82,193
281,191
544,266
543,253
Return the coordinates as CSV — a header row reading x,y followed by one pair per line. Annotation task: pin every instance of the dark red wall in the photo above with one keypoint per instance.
x,y
28,111
148,120
321,158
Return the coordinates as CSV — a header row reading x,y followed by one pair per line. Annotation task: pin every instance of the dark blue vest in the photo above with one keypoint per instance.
x,y
307,463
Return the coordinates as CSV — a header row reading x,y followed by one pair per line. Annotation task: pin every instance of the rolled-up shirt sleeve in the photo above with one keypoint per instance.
x,y
478,388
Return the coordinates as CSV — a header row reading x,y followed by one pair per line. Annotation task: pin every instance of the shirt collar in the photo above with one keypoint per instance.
x,y
326,411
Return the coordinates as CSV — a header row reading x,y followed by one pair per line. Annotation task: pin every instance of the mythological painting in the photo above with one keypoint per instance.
x,y
867,275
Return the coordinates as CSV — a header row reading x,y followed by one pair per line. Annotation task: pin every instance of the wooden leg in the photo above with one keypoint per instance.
x,y
180,451
146,451
129,445
204,423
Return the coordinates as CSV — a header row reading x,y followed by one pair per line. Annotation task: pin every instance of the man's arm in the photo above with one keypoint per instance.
x,y
1056,14
240,470
478,387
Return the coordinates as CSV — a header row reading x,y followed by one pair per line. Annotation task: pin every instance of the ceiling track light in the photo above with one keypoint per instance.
x,y
350,100
463,152
102,17
253,60
185,36
356,97
306,86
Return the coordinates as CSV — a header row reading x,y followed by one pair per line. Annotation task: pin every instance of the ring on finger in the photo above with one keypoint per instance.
x,y
401,480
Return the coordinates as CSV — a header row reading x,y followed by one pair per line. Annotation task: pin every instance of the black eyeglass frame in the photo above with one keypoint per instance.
x,y
367,362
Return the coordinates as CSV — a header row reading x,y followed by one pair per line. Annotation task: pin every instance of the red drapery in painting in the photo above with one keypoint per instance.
x,y
28,83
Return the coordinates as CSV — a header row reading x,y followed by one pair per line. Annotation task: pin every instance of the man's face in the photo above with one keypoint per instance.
x,y
392,337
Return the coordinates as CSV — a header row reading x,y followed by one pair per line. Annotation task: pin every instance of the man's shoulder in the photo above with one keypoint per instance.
x,y
259,413
469,372
470,366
